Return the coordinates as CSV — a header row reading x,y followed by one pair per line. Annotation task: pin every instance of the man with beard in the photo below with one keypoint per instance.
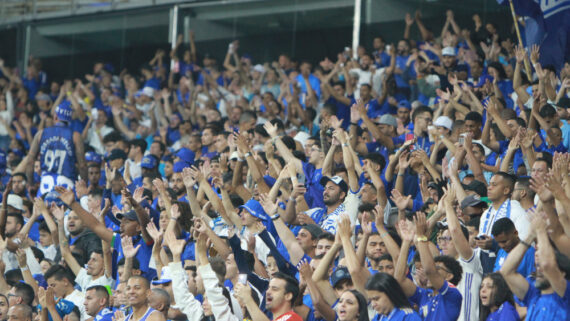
x,y
548,297
60,279
95,273
81,238
19,183
177,181
208,146
279,299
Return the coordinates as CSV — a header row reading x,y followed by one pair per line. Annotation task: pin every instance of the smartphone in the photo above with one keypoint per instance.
x,y
461,139
242,278
301,178
431,133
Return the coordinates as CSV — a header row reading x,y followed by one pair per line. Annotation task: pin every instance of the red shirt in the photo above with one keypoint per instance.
x,y
289,316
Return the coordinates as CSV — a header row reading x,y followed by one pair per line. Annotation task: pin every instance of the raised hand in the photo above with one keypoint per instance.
x,y
335,122
421,224
175,211
344,228
268,206
81,188
534,53
403,160
57,212
406,231
119,316
305,269
65,195
270,129
538,185
176,246
138,195
129,251
187,177
400,201
154,232
409,20
366,223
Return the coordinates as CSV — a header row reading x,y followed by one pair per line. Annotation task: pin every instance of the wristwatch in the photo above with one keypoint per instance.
x,y
274,217
422,238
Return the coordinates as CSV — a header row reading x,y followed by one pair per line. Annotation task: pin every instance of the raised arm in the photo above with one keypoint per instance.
x,y
407,234
283,150
426,257
89,220
358,272
517,283
547,258
459,240
71,262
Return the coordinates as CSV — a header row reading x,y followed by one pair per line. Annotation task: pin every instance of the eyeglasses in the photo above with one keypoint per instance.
x,y
439,267
442,239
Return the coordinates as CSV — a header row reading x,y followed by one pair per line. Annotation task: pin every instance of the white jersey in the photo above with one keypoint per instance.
x,y
469,286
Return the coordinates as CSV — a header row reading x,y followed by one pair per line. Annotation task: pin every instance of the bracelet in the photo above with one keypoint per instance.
x,y
355,124
422,238
25,268
274,217
383,234
525,244
174,219
401,174
292,199
345,144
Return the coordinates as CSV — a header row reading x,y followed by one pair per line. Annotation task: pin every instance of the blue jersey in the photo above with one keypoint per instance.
x,y
546,306
57,151
506,312
445,305
405,314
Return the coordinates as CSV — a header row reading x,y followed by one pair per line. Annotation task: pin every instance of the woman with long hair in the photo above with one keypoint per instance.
x,y
352,307
496,299
388,299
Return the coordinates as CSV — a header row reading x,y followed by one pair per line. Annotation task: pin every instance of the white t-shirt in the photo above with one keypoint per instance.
x,y
511,209
85,280
77,297
469,286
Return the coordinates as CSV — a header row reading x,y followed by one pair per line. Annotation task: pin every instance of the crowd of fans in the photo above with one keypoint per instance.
x,y
423,180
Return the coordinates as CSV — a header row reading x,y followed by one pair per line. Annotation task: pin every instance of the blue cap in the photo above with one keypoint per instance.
x,y
53,197
93,157
130,215
149,162
255,209
64,111
404,103
165,276
186,155
338,275
179,166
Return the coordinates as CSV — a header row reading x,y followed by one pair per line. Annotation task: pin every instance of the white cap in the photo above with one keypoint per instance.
x,y
148,91
302,137
16,202
234,156
258,68
444,121
448,51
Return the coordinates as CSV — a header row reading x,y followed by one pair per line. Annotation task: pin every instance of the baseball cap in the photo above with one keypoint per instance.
x,y
388,119
179,166
53,197
16,202
404,103
93,157
130,215
448,51
314,229
186,155
476,186
444,121
338,275
149,162
471,200
255,209
165,276
483,79
337,180
116,154
258,68
64,111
